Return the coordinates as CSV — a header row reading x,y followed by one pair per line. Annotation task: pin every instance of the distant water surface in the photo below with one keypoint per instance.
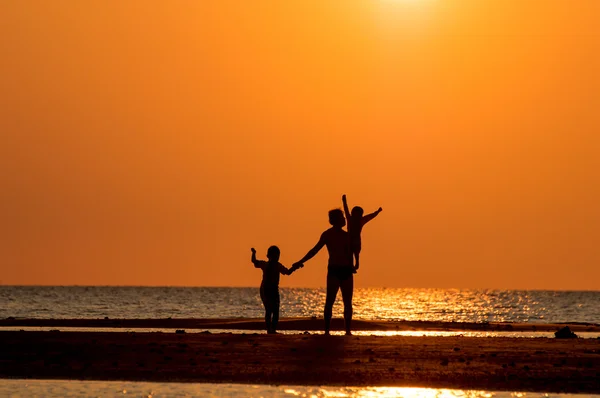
x,y
72,388
369,303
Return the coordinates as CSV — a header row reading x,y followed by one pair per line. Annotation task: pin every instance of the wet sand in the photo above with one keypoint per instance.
x,y
302,324
499,363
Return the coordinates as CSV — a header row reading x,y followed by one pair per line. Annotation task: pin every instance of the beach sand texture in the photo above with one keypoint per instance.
x,y
498,363
302,324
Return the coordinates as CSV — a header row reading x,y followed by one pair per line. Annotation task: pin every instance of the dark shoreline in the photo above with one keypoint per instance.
x,y
308,324
492,363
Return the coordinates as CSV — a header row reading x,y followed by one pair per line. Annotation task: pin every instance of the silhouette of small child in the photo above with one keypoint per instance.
x,y
356,222
269,287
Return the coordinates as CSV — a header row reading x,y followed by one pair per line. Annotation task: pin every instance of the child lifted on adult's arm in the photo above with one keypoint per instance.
x,y
356,222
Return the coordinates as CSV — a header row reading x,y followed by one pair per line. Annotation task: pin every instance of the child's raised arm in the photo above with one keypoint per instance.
x,y
254,260
346,210
371,216
257,263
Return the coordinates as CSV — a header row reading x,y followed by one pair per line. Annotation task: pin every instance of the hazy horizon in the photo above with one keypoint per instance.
x,y
155,143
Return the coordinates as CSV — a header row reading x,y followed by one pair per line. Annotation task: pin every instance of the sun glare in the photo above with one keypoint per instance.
x,y
407,16
405,392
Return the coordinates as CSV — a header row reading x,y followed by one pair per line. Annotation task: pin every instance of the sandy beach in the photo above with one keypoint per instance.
x,y
302,324
508,364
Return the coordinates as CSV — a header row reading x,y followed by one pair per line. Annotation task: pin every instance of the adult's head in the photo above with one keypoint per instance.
x,y
273,253
336,218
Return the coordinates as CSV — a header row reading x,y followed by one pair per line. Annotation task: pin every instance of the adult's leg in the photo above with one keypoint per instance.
x,y
268,316
347,287
333,285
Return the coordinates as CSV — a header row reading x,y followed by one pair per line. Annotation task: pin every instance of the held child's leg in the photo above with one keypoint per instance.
x,y
356,246
356,254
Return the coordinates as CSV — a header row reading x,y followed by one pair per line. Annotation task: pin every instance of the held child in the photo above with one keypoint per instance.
x,y
356,221
269,287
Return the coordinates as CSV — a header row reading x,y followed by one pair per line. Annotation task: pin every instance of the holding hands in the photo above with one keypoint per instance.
x,y
296,266
253,250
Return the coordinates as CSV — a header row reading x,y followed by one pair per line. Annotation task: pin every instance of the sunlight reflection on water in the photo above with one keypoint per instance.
x,y
74,388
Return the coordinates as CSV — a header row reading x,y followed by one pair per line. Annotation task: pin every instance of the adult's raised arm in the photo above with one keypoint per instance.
x,y
346,210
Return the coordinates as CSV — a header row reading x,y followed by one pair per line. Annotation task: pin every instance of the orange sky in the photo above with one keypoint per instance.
x,y
154,142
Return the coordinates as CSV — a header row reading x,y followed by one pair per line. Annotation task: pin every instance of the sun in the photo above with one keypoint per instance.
x,y
406,4
404,1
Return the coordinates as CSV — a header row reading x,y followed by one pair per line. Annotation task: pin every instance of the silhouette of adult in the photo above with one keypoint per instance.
x,y
339,270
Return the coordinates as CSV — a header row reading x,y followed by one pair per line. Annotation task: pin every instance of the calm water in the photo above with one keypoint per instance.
x,y
372,303
71,388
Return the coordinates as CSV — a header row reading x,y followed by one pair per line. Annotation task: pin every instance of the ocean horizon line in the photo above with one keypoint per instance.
x,y
306,287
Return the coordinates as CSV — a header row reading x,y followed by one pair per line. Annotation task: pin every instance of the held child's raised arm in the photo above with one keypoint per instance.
x,y
371,216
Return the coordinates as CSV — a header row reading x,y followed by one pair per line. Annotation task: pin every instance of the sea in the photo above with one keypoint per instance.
x,y
450,305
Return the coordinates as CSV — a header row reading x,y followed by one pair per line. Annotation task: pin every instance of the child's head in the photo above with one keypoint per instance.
x,y
336,218
357,212
273,253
